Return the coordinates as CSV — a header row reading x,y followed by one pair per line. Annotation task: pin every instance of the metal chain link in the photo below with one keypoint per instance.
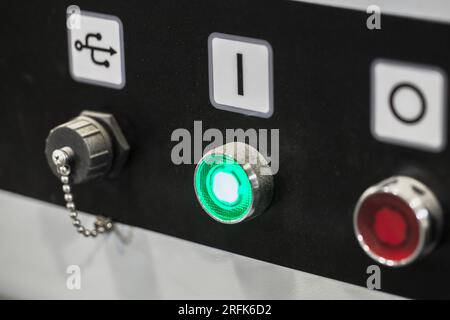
x,y
102,224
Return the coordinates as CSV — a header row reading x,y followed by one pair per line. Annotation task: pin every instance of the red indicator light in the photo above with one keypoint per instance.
x,y
388,226
397,221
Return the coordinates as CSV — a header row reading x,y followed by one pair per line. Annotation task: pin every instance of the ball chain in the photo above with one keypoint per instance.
x,y
61,159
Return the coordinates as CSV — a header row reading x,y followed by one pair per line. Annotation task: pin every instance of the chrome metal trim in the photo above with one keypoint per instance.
x,y
254,165
423,203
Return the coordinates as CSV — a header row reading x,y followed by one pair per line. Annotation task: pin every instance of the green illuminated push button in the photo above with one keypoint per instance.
x,y
233,183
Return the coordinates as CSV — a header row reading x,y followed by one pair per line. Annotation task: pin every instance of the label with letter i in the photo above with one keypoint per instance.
x,y
241,74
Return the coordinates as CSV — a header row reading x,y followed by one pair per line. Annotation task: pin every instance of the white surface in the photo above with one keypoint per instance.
x,y
225,187
436,10
82,68
257,74
38,244
429,133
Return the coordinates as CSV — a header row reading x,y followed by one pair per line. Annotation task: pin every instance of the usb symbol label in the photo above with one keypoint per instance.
x,y
96,54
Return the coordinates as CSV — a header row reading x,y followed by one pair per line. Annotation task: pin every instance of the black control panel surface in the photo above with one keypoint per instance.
x,y
322,82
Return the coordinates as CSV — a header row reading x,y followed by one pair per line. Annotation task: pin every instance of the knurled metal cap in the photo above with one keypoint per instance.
x,y
91,145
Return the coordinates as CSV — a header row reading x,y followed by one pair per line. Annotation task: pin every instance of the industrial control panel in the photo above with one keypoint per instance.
x,y
283,131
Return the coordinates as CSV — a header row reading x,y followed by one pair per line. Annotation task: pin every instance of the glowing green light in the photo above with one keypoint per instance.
x,y
223,187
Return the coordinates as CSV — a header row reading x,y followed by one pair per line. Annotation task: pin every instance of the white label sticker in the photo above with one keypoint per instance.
x,y
240,74
96,53
409,105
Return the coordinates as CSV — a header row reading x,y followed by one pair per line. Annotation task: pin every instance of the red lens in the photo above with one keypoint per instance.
x,y
388,226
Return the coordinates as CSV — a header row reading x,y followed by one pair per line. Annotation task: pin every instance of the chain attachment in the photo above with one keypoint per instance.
x,y
61,158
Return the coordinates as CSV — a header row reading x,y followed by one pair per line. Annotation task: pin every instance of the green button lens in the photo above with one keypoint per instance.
x,y
223,187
